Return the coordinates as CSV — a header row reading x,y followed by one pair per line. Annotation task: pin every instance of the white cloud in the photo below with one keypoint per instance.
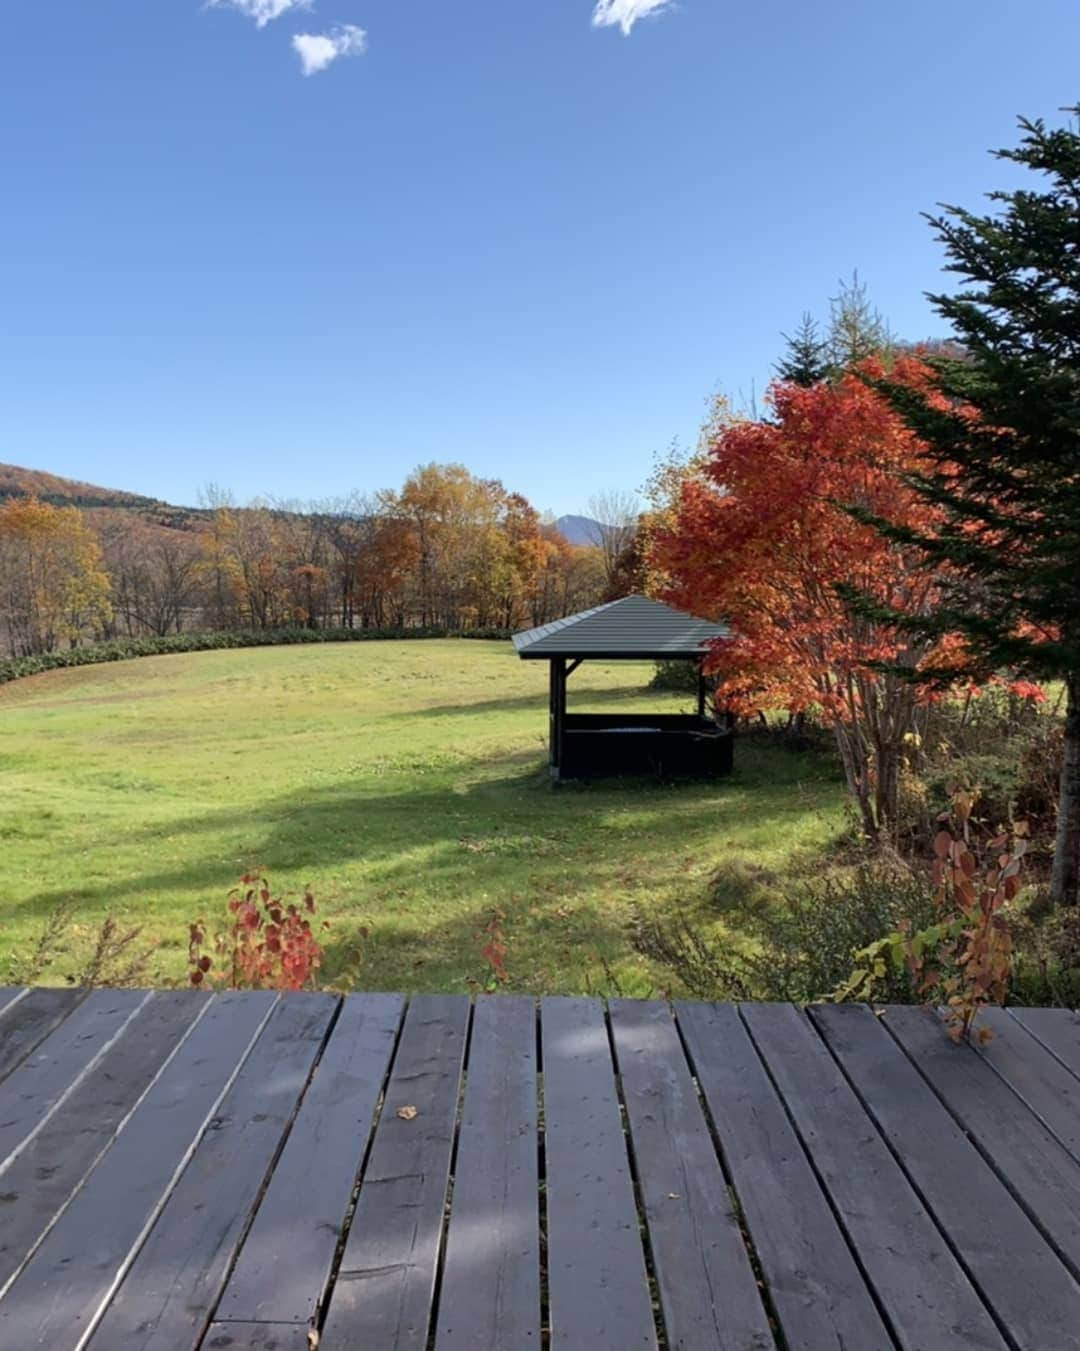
x,y
317,50
262,11
625,13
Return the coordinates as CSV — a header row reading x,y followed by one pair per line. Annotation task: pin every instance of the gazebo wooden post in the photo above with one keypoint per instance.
x,y
701,690
557,717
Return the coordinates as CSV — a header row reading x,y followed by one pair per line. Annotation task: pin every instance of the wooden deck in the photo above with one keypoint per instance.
x,y
251,1172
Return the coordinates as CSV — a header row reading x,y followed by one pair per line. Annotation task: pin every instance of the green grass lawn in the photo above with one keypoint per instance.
x,y
405,781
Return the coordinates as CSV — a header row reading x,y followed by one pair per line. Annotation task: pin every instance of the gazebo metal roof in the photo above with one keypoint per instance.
x,y
634,628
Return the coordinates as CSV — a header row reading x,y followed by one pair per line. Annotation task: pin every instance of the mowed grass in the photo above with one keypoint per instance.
x,y
405,781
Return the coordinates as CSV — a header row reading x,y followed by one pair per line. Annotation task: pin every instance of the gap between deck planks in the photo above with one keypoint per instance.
x,y
178,1171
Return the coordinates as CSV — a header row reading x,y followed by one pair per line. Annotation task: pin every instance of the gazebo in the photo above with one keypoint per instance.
x,y
591,745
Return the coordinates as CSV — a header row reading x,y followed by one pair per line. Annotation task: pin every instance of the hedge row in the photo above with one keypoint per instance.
x,y
121,649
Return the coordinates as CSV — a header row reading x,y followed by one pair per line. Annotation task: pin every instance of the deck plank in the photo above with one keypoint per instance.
x,y
597,1281
817,1290
1037,1168
178,1172
922,1288
1015,1270
9,994
29,1021
36,1186
386,1282
490,1294
257,1337
1050,1090
1057,1029
165,1304
59,1294
708,1290
282,1270
33,1090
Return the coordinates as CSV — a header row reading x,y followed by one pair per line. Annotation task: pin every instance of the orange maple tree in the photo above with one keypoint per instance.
x,y
761,537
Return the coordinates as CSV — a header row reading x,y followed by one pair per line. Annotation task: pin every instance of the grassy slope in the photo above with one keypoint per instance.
x,y
404,781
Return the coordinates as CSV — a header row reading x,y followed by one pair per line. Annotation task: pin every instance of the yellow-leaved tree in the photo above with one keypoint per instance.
x,y
53,585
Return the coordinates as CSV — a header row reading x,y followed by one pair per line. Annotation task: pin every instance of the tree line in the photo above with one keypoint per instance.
x,y
446,550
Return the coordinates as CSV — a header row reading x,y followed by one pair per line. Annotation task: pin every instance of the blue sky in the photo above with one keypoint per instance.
x,y
488,231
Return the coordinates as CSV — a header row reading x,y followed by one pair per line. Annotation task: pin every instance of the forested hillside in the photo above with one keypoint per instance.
x,y
81,563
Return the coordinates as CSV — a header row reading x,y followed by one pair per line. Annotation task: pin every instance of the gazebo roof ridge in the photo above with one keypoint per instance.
x,y
634,627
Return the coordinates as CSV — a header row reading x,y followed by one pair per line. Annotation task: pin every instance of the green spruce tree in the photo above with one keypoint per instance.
x,y
806,360
1008,482
856,327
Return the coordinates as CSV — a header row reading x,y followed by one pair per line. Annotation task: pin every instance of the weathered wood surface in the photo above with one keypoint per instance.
x,y
284,1266
494,1302
386,1282
1015,1270
55,1067
258,1337
597,1282
1039,1171
1050,1090
1057,1029
708,1292
811,1272
921,1286
26,1022
249,1172
36,1185
58,1296
162,1305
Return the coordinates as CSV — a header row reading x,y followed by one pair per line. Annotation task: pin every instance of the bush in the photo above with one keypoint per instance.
x,y
123,649
1046,959
1006,750
964,959
680,676
800,948
266,944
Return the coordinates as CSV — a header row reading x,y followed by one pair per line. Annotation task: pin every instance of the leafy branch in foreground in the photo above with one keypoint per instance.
x,y
964,959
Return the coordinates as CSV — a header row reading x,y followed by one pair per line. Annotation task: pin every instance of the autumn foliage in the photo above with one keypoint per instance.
x,y
267,943
447,550
762,537
972,884
963,961
491,940
53,586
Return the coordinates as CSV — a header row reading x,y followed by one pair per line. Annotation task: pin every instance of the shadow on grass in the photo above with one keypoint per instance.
x,y
550,949
566,864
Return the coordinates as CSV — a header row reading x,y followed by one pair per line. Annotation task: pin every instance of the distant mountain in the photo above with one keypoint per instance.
x,y
579,529
63,492
66,492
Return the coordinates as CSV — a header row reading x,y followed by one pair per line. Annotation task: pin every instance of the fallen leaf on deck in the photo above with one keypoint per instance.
x,y
406,1113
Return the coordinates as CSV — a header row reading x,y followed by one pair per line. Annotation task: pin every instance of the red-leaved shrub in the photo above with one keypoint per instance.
x,y
267,944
